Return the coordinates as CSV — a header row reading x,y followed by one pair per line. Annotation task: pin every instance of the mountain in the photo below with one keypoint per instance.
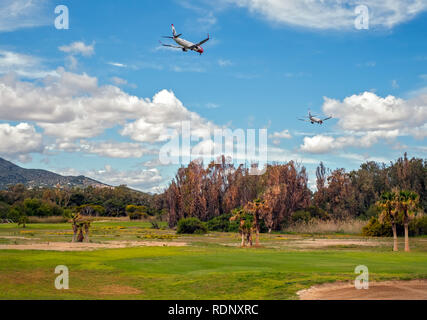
x,y
11,174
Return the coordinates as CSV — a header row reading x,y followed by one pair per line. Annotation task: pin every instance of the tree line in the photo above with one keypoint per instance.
x,y
206,192
18,201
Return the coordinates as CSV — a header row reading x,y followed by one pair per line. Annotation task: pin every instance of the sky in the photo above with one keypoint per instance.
x,y
103,97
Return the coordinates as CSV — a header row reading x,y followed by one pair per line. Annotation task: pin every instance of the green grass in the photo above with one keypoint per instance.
x,y
206,269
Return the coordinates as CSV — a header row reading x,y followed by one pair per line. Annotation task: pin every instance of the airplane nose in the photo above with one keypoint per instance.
x,y
201,50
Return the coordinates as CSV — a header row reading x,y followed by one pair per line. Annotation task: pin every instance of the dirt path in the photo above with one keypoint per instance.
x,y
68,246
387,290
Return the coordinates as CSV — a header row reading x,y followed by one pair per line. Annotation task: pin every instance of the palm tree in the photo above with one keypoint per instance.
x,y
258,209
388,207
245,226
407,202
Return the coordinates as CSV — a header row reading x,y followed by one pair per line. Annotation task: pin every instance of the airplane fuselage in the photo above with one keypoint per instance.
x,y
187,45
315,120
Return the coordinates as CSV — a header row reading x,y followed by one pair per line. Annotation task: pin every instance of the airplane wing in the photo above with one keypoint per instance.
x,y
170,46
305,120
201,42
327,118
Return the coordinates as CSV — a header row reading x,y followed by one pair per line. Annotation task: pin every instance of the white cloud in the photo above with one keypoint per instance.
x,y
117,64
19,141
118,81
16,14
140,178
23,65
224,63
78,47
367,118
333,14
73,106
113,149
277,136
285,134
367,111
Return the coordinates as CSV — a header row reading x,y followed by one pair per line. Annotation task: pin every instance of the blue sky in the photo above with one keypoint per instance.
x,y
266,64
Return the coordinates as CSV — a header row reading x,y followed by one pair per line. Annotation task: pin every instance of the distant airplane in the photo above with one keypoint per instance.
x,y
313,119
184,45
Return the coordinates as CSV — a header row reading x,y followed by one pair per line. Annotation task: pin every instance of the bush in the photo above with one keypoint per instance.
x,y
190,226
137,215
417,227
373,211
318,213
221,223
301,216
376,229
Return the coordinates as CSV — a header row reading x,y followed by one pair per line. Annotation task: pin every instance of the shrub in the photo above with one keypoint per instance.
x,y
318,213
221,223
376,229
417,227
301,216
191,225
137,215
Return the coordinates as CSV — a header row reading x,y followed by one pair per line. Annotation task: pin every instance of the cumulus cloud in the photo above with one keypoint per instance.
x,y
113,149
142,179
78,47
333,14
23,65
277,136
73,106
367,112
16,14
19,141
139,178
367,118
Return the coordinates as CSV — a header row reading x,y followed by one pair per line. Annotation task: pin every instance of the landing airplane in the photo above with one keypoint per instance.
x,y
184,45
313,119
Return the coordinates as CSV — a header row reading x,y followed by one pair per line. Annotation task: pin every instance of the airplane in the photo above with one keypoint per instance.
x,y
184,45
313,119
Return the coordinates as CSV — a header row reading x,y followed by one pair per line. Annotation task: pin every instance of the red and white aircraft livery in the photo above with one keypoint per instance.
x,y
185,45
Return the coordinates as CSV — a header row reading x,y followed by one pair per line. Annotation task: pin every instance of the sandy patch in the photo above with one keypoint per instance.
x,y
68,246
18,238
387,290
318,243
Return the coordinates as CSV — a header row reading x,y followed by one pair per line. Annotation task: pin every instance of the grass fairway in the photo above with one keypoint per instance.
x,y
207,268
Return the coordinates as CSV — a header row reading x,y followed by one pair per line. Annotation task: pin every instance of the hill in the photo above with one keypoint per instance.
x,y
11,174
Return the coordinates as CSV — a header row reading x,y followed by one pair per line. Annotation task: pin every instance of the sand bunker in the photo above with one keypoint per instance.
x,y
68,246
387,290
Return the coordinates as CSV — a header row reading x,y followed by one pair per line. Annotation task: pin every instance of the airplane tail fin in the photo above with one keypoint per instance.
x,y
173,31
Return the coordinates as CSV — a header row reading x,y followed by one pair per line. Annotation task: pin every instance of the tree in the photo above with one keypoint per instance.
x,y
81,226
388,206
258,209
22,221
245,226
407,202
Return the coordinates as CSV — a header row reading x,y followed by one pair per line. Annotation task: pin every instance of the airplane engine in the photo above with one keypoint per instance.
x,y
184,49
